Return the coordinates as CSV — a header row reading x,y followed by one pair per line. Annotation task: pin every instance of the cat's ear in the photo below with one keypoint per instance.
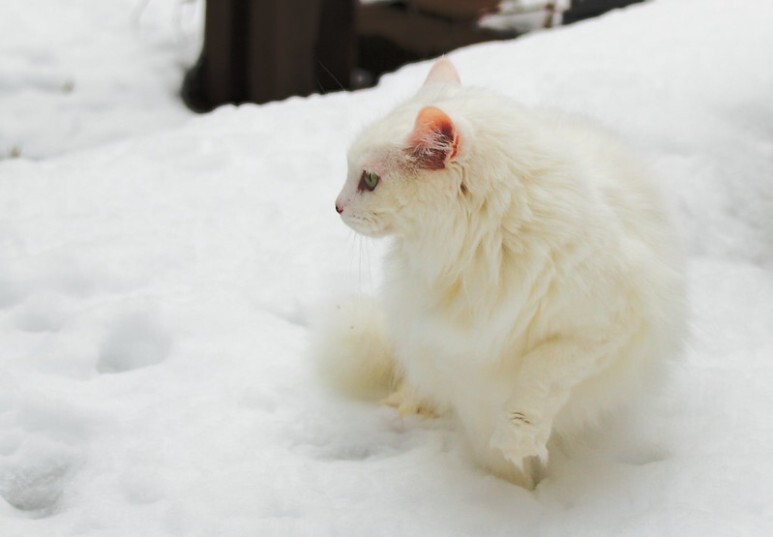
x,y
434,140
443,72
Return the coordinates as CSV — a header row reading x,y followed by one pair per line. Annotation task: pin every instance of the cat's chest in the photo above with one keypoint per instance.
x,y
451,366
456,319
442,339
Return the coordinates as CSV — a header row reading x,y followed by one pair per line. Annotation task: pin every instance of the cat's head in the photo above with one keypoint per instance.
x,y
407,166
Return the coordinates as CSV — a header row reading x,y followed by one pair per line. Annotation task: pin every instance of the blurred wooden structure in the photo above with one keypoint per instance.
x,y
391,34
585,9
265,50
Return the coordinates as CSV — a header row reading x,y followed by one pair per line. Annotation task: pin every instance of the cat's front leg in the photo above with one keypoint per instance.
x,y
521,434
545,381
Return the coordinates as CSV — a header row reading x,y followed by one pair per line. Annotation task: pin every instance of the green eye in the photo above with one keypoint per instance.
x,y
369,180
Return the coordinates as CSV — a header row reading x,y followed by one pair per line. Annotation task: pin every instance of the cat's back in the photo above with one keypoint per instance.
x,y
620,180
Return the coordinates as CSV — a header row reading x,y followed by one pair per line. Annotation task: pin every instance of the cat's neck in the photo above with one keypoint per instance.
x,y
470,259
467,259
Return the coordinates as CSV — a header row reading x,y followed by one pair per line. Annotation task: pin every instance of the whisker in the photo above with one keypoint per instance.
x,y
331,76
359,274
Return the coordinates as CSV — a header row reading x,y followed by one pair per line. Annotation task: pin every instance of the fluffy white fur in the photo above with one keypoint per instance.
x,y
351,349
533,283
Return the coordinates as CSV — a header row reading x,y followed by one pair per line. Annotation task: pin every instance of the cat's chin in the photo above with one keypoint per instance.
x,y
366,228
371,233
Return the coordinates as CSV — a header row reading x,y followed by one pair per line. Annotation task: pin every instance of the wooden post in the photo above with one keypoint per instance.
x,y
265,50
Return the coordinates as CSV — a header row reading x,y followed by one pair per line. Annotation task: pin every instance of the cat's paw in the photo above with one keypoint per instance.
x,y
407,405
519,436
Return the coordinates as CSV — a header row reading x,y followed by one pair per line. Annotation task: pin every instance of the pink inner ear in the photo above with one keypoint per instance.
x,y
434,139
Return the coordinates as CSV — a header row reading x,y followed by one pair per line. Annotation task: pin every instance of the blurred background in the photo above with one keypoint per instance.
x,y
264,50
84,72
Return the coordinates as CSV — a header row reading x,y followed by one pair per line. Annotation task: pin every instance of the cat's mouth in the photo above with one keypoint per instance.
x,y
364,225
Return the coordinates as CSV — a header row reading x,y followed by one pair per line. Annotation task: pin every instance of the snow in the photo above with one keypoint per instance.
x,y
82,72
157,271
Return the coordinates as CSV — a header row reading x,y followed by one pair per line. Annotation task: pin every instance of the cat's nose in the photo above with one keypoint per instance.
x,y
339,208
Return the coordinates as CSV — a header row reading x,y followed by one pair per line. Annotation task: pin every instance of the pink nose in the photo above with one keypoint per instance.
x,y
339,209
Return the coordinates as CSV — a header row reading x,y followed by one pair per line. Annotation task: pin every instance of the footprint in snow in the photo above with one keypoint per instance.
x,y
33,480
132,342
39,441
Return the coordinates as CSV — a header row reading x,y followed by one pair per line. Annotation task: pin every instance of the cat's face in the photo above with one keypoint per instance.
x,y
398,168
376,191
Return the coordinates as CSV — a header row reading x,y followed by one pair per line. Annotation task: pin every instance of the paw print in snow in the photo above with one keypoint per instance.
x,y
134,341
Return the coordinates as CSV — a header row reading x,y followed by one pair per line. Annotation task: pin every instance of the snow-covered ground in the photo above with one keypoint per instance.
x,y
77,73
156,273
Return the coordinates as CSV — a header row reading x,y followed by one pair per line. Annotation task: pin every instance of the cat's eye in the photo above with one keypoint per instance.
x,y
369,181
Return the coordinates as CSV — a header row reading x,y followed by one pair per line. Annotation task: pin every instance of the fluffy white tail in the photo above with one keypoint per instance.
x,y
350,348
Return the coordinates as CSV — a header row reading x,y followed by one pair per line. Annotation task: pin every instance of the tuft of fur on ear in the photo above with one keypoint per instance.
x,y
434,140
443,72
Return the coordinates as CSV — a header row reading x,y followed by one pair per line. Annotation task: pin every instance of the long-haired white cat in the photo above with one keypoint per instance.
x,y
533,284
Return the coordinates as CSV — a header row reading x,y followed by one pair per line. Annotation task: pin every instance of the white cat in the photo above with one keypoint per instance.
x,y
533,283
